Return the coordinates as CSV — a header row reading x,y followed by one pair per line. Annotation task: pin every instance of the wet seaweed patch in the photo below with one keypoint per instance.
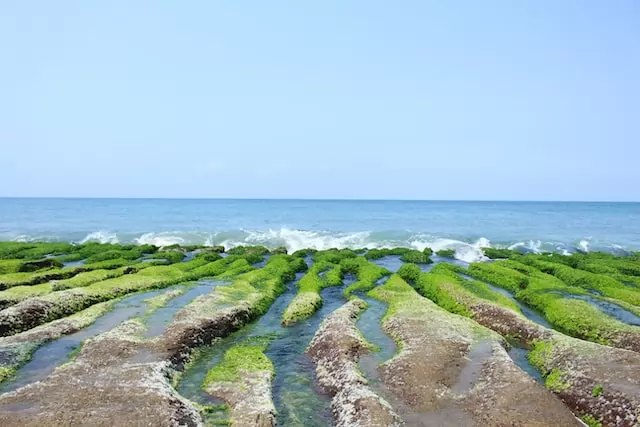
x,y
604,284
33,251
17,294
38,310
170,256
497,253
333,256
446,253
43,276
375,254
308,298
416,257
336,348
129,253
243,380
545,293
451,292
246,250
366,272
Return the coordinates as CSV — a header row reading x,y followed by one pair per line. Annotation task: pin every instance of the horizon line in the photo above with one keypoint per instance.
x,y
315,199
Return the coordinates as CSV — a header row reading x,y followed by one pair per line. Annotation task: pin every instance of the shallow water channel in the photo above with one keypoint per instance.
x,y
608,308
369,323
54,353
295,394
158,321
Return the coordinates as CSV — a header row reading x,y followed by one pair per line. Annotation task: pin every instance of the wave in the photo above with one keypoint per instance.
x,y
466,249
100,237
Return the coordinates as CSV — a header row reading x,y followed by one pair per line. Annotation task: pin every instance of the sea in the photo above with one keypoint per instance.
x,y
465,226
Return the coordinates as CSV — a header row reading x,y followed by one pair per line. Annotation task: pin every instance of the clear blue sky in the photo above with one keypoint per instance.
x,y
321,99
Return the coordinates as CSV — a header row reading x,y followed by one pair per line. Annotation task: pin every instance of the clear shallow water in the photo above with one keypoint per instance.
x,y
54,353
295,393
158,322
608,308
296,224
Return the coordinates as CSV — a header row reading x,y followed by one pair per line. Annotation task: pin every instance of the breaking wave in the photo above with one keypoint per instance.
x,y
101,237
466,249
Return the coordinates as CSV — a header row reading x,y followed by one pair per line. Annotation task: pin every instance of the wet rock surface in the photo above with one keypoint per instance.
x,y
451,371
249,398
102,388
335,349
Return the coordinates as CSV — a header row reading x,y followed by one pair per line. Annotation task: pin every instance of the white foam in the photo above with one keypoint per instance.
x,y
160,239
294,239
584,245
534,246
467,252
100,237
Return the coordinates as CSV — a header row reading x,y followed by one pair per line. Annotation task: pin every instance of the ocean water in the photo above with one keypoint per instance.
x,y
463,226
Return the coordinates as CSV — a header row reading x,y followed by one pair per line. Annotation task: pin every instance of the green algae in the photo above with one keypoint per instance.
x,y
540,356
171,256
62,303
38,277
334,256
545,293
248,357
556,381
597,390
367,273
258,288
10,266
443,286
416,257
246,250
404,302
32,251
6,372
603,284
131,254
591,421
86,279
303,253
384,252
308,298
446,253
494,253
334,264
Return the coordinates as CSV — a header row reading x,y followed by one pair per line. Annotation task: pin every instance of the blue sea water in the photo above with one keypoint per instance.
x,y
464,226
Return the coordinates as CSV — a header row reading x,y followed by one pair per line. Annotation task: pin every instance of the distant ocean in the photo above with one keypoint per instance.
x,y
463,226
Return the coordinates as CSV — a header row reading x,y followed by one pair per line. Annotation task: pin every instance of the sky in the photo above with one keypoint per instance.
x,y
440,100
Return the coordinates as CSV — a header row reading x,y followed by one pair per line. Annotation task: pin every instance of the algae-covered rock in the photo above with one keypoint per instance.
x,y
450,370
